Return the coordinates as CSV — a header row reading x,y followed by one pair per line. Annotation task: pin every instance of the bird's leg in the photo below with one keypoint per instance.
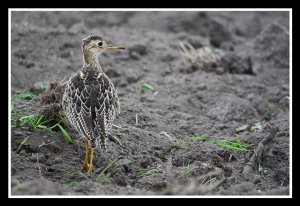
x,y
91,161
85,167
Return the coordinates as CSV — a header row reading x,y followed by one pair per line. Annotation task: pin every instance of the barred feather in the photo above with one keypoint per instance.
x,y
91,104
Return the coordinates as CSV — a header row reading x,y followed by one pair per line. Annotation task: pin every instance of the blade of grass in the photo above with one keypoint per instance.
x,y
65,133
232,145
200,138
148,171
27,95
23,142
83,175
146,87
107,168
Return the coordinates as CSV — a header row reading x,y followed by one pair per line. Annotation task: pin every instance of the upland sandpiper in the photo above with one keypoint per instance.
x,y
90,100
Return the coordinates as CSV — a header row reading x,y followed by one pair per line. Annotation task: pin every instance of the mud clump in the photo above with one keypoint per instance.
x,y
50,101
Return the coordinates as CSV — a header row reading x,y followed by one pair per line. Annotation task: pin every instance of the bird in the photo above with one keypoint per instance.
x,y
90,101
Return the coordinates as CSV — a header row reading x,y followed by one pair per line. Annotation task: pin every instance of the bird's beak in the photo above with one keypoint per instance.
x,y
113,47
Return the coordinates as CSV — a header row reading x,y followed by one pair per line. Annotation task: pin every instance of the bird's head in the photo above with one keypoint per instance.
x,y
96,45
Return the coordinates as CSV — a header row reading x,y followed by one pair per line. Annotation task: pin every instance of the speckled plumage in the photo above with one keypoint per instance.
x,y
91,104
90,100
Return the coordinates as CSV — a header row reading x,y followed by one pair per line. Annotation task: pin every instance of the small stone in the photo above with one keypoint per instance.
x,y
57,160
257,180
220,70
22,153
227,46
222,126
39,86
33,158
138,49
120,180
202,87
18,133
146,162
157,147
134,55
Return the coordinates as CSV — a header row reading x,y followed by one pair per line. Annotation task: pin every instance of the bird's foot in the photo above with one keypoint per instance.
x,y
90,170
85,168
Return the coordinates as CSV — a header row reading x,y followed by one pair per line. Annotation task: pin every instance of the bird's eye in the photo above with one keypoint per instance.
x,y
100,43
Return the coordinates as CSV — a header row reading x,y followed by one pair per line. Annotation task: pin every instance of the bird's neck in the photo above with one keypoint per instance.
x,y
90,60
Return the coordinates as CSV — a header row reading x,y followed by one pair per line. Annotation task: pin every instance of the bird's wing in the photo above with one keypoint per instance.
x,y
77,99
108,105
92,103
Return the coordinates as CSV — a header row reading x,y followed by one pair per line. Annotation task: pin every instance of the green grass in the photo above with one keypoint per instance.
x,y
65,133
71,183
102,177
187,171
148,171
145,87
272,110
15,69
84,175
32,121
237,145
27,95
18,187
200,137
176,144
210,182
38,122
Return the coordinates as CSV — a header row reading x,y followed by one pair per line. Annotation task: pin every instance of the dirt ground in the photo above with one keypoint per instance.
x,y
250,84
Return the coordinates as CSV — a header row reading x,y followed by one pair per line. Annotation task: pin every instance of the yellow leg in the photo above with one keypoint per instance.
x,y
91,161
85,167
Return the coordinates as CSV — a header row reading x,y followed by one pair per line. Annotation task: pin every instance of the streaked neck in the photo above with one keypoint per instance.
x,y
91,60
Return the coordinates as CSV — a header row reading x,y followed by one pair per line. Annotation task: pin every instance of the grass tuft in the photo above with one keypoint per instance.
x,y
65,133
187,171
145,87
272,110
18,187
27,95
148,171
237,145
32,121
71,183
176,144
102,177
200,137
38,122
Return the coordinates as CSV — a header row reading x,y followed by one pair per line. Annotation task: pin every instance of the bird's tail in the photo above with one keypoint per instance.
x,y
100,134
